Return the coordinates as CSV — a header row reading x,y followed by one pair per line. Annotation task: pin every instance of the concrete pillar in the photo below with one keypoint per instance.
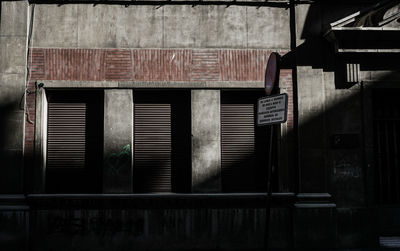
x,y
118,126
39,171
314,214
13,26
206,141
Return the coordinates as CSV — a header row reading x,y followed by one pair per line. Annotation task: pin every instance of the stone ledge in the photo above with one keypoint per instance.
x,y
158,200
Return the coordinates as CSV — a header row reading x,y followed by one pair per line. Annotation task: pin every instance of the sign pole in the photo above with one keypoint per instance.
x,y
269,187
268,113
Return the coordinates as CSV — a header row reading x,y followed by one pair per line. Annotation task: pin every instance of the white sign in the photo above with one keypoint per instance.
x,y
272,110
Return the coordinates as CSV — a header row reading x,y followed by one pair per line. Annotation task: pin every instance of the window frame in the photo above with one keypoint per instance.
x,y
38,185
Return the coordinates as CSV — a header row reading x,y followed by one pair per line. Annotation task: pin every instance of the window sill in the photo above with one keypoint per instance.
x,y
158,201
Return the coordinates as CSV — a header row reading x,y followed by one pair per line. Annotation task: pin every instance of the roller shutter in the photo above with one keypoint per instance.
x,y
161,142
242,153
74,141
66,135
152,134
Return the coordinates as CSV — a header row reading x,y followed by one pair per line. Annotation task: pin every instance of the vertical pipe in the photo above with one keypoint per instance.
x,y
297,166
388,162
296,152
379,167
27,170
364,167
396,163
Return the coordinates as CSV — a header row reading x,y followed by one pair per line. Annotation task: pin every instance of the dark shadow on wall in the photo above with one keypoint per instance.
x,y
13,222
11,158
336,139
343,103
311,44
333,137
5,182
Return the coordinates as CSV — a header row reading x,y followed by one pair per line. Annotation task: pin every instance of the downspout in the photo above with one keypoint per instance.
x,y
27,119
296,152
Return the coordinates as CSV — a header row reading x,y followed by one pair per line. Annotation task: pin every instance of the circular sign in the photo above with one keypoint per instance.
x,y
272,72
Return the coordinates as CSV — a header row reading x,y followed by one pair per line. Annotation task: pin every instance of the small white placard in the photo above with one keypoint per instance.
x,y
272,110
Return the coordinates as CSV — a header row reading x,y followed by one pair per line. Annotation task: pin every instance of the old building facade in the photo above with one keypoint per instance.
x,y
130,125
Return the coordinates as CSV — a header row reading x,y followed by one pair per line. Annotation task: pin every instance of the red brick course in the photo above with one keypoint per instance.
x,y
149,64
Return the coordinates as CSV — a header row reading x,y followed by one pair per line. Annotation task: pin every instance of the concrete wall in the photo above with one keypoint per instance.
x,y
118,139
168,26
12,83
156,229
13,29
13,229
206,141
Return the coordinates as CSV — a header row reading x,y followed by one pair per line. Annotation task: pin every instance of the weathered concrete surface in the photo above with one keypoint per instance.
x,y
312,132
357,228
97,27
169,26
343,117
268,27
206,141
13,54
315,227
13,18
12,84
55,26
118,124
13,229
208,26
157,229
140,27
12,91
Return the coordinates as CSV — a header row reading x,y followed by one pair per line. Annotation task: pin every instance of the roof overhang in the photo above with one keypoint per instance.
x,y
363,32
364,39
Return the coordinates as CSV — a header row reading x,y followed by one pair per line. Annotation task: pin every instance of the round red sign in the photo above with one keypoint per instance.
x,y
271,73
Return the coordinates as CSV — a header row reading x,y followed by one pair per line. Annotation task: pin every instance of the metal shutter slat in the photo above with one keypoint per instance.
x,y
237,147
66,135
152,152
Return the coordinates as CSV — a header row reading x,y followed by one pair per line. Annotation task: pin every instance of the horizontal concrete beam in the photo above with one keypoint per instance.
x,y
139,84
159,200
270,3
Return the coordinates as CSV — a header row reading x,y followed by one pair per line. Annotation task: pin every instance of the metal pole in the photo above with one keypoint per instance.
x,y
269,190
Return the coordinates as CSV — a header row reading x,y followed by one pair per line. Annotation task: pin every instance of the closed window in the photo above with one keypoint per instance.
x,y
244,151
161,141
74,141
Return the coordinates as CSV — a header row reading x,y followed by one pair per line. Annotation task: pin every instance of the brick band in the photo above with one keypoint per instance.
x,y
148,64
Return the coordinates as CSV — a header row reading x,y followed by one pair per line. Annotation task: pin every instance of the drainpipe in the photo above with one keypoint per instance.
x,y
296,152
297,167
